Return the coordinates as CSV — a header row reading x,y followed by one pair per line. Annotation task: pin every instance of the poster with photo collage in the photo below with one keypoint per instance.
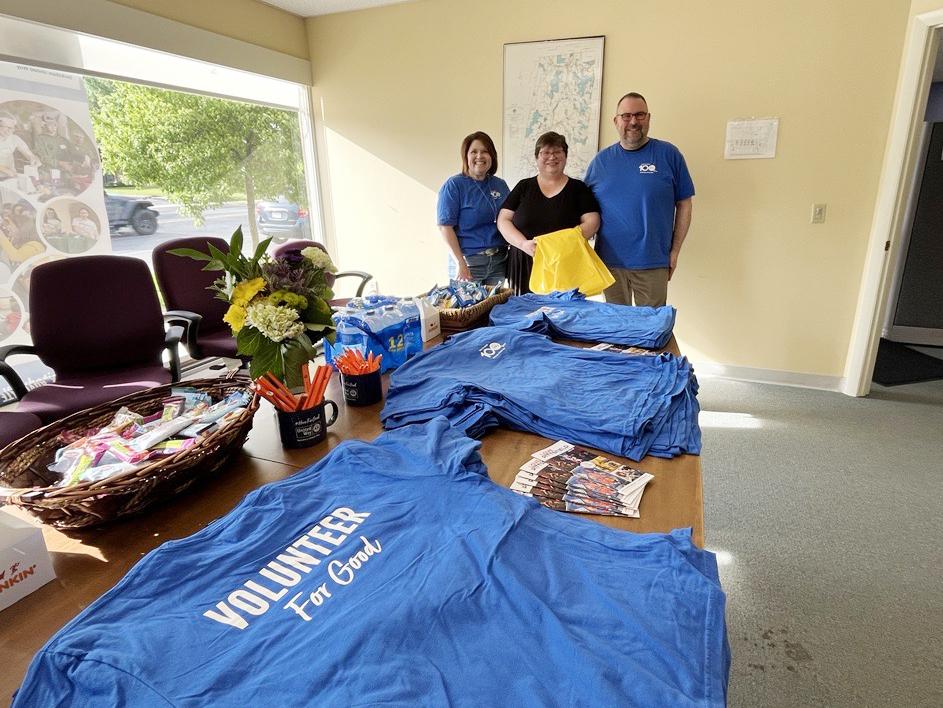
x,y
51,191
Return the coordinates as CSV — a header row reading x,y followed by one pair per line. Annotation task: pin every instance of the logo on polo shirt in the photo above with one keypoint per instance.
x,y
492,351
547,310
495,194
646,167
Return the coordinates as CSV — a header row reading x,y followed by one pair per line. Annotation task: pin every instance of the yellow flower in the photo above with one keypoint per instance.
x,y
245,291
235,317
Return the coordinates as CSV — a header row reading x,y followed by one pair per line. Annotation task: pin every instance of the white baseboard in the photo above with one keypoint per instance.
x,y
770,376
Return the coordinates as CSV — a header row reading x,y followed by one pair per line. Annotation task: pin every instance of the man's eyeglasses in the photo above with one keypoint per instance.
x,y
638,115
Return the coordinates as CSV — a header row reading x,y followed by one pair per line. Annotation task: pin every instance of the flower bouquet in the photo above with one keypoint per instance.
x,y
274,304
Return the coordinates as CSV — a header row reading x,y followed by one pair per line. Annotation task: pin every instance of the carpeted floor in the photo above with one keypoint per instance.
x,y
825,512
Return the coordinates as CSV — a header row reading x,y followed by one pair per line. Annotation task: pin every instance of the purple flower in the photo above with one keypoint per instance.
x,y
293,257
288,273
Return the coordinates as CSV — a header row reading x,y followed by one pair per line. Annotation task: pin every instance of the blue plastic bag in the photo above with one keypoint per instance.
x,y
393,331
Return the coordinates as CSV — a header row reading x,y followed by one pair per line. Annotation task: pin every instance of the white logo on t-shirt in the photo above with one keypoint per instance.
x,y
495,194
646,167
492,351
546,310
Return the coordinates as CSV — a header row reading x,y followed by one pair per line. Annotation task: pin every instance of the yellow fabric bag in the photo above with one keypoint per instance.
x,y
564,260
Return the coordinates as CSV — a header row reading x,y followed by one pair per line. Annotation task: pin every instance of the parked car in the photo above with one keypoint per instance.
x,y
282,220
131,211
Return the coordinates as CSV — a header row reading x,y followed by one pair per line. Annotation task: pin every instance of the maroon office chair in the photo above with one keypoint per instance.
x,y
96,322
185,287
16,424
329,278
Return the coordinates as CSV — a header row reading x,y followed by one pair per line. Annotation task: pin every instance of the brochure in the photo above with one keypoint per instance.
x,y
623,349
567,477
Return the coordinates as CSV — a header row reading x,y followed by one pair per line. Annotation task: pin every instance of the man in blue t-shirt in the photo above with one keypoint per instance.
x,y
645,193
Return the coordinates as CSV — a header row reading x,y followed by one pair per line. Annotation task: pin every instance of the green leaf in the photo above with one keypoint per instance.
x,y
255,369
235,245
324,308
319,327
296,353
318,320
267,359
214,265
260,251
249,341
190,253
307,346
220,256
323,292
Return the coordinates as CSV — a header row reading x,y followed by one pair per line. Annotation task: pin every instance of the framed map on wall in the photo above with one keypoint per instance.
x,y
551,85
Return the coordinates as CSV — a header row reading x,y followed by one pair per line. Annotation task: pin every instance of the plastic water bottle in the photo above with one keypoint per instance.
x,y
349,324
412,327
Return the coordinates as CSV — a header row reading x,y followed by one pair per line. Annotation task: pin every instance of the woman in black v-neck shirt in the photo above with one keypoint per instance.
x,y
538,205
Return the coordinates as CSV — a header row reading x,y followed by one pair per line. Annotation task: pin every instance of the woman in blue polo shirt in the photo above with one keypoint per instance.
x,y
468,209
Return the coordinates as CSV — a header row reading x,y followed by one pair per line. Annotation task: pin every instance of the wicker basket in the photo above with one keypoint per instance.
x,y
460,319
25,481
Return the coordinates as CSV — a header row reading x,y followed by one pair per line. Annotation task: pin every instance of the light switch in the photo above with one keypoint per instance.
x,y
818,213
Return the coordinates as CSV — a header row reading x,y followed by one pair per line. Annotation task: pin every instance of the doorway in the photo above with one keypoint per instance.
x,y
915,303
895,202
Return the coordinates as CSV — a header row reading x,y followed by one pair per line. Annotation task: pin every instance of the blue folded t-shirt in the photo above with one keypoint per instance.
x,y
570,315
627,405
397,573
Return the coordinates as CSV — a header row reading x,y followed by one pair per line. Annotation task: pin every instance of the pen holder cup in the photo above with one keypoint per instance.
x,y
362,389
305,428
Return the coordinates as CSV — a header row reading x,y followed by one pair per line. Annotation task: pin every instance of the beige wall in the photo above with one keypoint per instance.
x,y
246,20
241,34
757,285
919,6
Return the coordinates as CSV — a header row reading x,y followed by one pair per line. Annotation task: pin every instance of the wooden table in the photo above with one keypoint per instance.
x,y
674,499
88,563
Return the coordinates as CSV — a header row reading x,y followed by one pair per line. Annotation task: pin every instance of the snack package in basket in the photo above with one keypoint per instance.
x,y
91,468
458,294
130,440
464,305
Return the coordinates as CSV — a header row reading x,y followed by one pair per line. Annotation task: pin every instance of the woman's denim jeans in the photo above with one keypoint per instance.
x,y
488,267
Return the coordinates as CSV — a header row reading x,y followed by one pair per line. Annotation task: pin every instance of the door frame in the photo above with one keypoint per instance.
x,y
897,333
889,223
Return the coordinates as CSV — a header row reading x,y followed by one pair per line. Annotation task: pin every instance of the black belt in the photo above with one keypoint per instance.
x,y
491,251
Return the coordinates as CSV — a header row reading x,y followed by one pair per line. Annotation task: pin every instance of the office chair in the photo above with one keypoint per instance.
x,y
16,424
96,322
190,304
330,278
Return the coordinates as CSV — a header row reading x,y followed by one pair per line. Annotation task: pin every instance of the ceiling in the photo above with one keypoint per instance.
x,y
310,8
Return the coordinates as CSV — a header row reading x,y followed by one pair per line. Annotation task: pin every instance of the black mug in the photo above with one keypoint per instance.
x,y
362,389
305,428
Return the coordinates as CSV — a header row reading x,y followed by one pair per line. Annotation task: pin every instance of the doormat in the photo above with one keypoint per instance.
x,y
898,364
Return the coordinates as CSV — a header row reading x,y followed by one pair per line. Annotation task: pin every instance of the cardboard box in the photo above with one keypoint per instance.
x,y
428,319
24,561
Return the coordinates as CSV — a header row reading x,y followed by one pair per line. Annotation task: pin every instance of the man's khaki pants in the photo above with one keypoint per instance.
x,y
649,288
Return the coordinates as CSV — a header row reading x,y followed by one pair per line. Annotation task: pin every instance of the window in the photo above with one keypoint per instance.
x,y
98,165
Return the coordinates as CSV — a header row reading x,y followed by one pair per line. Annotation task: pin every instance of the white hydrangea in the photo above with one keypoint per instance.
x,y
319,258
274,321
